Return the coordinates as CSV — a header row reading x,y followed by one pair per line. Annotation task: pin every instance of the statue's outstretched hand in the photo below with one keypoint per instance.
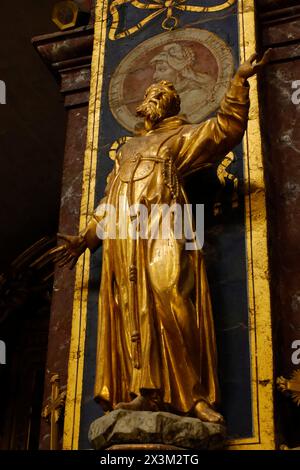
x,y
69,251
253,65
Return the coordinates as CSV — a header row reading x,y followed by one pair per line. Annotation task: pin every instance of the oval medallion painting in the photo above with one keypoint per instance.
x,y
198,62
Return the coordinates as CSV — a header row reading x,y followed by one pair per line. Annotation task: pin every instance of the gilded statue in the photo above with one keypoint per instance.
x,y
156,342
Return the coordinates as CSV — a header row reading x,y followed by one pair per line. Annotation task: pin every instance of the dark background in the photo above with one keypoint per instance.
x,y
32,134
32,131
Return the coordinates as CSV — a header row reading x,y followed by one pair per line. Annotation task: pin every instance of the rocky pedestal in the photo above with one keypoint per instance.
x,y
136,429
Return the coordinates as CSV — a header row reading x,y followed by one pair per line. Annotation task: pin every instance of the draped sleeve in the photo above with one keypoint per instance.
x,y
205,143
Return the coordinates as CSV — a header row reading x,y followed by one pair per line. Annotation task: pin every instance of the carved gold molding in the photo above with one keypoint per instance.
x,y
65,14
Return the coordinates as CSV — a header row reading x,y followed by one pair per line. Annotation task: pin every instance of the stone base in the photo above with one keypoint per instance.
x,y
135,430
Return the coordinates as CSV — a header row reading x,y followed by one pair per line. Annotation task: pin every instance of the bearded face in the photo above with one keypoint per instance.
x,y
160,101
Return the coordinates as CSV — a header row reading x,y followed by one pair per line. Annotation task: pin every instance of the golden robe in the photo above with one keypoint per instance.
x,y
178,346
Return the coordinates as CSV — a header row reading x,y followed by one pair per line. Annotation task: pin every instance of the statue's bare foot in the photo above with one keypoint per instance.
x,y
140,403
206,413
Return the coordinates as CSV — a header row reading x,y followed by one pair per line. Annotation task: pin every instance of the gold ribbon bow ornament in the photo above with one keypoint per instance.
x,y
159,7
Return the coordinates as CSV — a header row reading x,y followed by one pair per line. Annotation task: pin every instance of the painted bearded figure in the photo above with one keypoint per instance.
x,y
156,342
176,63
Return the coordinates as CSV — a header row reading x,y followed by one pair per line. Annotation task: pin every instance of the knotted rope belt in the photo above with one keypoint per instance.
x,y
172,183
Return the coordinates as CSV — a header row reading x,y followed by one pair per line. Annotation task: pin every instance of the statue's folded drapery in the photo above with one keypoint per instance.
x,y
178,348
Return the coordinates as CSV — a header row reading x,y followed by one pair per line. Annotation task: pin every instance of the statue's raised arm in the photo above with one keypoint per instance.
x,y
210,141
